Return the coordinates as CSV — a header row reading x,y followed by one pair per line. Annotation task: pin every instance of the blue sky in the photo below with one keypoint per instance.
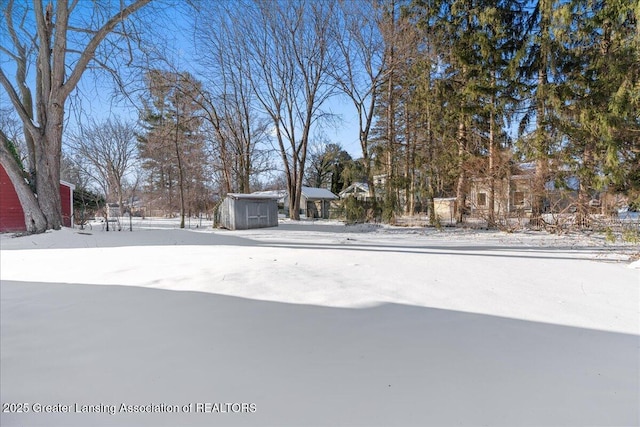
x,y
96,99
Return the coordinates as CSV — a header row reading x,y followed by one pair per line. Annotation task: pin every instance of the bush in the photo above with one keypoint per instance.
x,y
389,209
631,236
354,210
609,236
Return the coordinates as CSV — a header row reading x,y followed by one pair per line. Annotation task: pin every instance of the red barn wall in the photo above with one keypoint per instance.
x,y
11,213
66,195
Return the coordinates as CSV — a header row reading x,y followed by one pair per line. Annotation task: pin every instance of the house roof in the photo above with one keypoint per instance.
x,y
356,187
569,183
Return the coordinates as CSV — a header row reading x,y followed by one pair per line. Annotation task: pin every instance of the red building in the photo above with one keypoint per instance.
x,y
11,213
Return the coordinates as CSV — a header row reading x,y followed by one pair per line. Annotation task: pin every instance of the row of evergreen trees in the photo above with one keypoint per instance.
x,y
551,82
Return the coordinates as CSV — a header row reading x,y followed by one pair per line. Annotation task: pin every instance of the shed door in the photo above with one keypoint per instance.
x,y
257,215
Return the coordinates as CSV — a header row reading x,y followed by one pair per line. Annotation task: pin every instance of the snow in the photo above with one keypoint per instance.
x,y
252,196
318,323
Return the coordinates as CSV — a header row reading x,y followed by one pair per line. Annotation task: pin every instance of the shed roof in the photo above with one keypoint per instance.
x,y
68,184
309,192
276,194
252,196
318,194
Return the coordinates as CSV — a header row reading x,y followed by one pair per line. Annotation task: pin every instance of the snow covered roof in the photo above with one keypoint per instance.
x,y
68,184
318,194
252,196
309,192
276,194
529,166
570,183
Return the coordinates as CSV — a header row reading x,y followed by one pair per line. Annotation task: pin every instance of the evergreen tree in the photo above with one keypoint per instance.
x,y
325,167
541,62
600,119
474,46
172,147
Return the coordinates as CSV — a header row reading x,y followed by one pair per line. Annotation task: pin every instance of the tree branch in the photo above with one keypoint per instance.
x,y
89,51
15,100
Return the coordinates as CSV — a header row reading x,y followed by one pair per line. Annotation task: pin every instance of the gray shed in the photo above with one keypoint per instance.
x,y
244,211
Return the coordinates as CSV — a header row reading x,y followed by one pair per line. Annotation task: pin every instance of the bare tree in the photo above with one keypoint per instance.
x,y
239,135
11,128
361,66
59,42
288,52
109,148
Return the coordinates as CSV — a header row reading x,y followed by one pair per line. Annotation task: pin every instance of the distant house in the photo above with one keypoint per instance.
x,y
358,190
513,194
11,213
248,211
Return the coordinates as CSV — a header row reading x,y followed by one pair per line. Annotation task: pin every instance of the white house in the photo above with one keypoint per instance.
x,y
359,190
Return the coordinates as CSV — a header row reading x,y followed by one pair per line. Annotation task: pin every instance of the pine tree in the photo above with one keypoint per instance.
x,y
172,147
600,118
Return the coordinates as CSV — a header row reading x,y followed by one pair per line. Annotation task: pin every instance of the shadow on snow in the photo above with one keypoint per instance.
x,y
386,365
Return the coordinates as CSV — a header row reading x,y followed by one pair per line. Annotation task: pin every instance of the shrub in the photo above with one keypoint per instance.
x,y
609,236
631,236
354,210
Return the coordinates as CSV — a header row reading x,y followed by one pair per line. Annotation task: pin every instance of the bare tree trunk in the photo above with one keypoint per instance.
x,y
582,208
370,181
541,142
48,170
409,169
462,178
34,220
542,166
491,219
227,180
433,219
539,180
180,172
390,133
245,175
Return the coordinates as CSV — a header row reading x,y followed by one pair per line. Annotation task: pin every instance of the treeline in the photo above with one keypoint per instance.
x,y
445,91
470,86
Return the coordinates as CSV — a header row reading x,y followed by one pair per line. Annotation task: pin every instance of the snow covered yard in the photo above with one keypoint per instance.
x,y
317,324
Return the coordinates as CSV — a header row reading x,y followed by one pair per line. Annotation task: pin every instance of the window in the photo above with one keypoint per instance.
x,y
518,198
482,199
